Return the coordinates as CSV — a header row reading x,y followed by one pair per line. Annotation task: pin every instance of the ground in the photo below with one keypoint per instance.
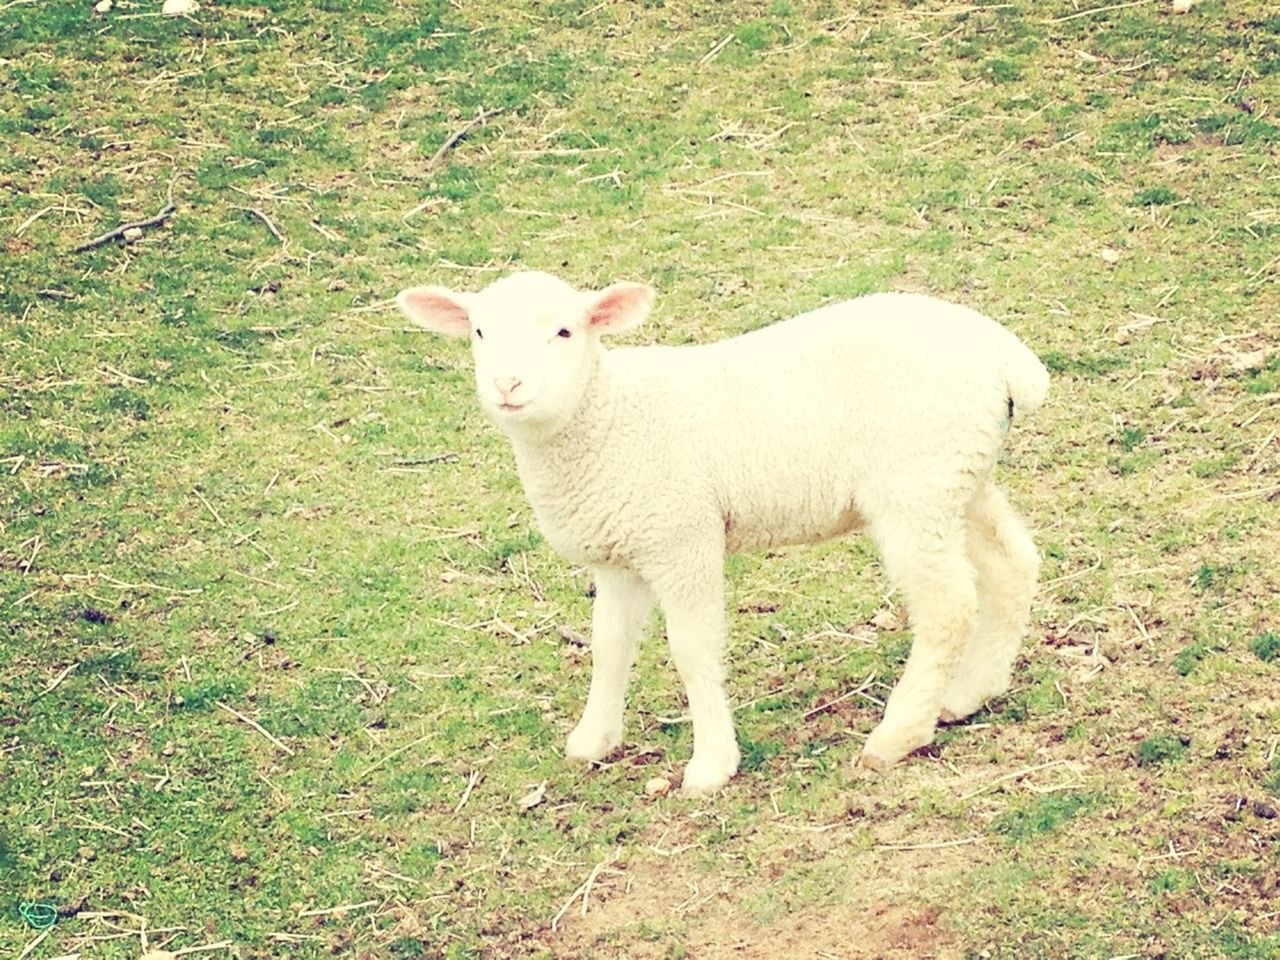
x,y
285,669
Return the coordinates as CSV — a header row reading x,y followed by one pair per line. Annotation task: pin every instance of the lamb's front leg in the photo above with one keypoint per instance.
x,y
622,606
693,603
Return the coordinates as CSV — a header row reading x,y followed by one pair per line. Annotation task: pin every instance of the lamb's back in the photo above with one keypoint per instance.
x,y
788,428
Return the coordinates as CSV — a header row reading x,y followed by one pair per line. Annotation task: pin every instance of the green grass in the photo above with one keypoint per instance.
x,y
1163,748
1266,646
1045,815
235,486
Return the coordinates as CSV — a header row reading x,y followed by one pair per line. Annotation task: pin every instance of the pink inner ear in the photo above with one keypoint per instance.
x,y
619,306
436,309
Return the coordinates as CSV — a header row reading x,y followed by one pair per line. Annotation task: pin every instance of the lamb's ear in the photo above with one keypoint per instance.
x,y
619,306
436,308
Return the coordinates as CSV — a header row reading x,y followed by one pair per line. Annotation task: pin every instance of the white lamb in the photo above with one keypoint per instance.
x,y
884,413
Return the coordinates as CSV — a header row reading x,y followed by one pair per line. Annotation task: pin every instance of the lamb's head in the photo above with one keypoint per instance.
x,y
535,340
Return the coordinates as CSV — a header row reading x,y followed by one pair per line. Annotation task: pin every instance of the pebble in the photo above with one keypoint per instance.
x,y
175,8
657,787
133,233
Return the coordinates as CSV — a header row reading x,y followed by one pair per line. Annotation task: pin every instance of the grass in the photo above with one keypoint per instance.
x,y
235,487
1164,748
1266,646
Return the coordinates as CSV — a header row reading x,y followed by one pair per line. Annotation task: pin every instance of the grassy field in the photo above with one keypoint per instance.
x,y
282,660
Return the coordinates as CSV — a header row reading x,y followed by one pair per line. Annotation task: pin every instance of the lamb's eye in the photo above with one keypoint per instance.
x,y
479,333
564,332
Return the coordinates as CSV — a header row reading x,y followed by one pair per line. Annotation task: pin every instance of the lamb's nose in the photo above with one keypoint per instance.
x,y
505,385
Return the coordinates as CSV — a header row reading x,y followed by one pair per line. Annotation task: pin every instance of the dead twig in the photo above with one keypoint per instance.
x,y
217,516
572,637
472,780
121,585
861,688
66,672
22,228
159,218
220,945
1016,775
716,50
929,846
584,889
1090,12
395,753
33,944
1057,581
275,231
1137,622
1266,493
458,134
424,461
257,726
27,564
346,908
1257,453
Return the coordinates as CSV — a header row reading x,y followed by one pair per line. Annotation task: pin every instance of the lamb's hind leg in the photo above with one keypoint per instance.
x,y
1006,563
926,558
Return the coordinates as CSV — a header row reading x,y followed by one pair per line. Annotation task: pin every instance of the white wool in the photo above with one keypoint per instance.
x,y
884,413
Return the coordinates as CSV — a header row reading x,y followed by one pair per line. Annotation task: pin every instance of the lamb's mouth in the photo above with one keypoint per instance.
x,y
512,407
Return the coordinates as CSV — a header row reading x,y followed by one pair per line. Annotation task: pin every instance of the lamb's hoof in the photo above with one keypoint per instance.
x,y
871,763
948,715
957,707
970,692
591,743
703,777
885,747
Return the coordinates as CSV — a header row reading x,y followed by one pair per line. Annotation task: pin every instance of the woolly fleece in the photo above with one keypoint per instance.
x,y
885,413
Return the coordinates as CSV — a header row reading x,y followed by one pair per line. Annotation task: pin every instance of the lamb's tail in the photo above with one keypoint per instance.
x,y
1026,379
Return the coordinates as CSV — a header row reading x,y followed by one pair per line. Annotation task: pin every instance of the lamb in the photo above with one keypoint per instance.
x,y
648,464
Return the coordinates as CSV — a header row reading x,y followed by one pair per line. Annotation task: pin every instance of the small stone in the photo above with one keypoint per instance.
x,y
168,749
1182,6
158,955
102,6
88,853
133,233
657,787
888,620
1249,361
239,852
175,8
1265,810
1108,255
